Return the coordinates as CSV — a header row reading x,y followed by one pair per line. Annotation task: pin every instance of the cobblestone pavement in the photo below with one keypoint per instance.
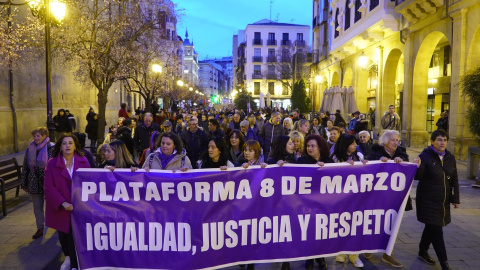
x,y
462,236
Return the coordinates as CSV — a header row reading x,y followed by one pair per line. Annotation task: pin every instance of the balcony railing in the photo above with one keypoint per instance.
x,y
257,59
257,41
272,42
299,42
257,75
286,59
285,42
271,76
271,59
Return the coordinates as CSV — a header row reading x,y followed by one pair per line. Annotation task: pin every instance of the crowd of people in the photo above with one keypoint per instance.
x,y
199,139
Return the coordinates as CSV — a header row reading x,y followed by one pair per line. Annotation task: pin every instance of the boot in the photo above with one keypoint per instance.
x,y
322,264
445,265
423,254
286,266
309,264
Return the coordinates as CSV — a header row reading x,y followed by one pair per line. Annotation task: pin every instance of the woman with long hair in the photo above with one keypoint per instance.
x,y
235,145
216,156
283,151
297,139
67,157
287,125
150,149
252,154
169,154
117,156
33,172
317,127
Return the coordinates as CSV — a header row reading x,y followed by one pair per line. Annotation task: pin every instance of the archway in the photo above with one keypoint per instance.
x,y
431,84
473,58
392,82
335,80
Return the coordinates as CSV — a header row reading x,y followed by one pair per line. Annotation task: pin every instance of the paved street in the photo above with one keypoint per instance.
x,y
462,236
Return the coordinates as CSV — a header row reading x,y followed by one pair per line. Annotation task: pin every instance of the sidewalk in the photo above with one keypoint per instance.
x,y
18,251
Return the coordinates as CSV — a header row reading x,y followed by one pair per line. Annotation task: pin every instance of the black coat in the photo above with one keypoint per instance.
x,y
195,144
141,139
378,151
125,135
62,124
92,128
310,160
437,187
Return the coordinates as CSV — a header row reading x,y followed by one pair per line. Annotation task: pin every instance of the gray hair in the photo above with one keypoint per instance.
x,y
387,134
289,121
364,132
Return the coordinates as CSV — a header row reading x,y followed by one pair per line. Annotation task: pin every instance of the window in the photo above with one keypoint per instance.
x,y
257,52
300,36
358,14
285,39
373,4
271,36
284,90
256,88
257,69
271,52
271,69
336,23
257,35
271,88
168,33
347,15
257,40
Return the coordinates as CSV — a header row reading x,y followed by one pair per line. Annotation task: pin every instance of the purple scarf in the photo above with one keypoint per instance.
x,y
439,153
41,159
164,158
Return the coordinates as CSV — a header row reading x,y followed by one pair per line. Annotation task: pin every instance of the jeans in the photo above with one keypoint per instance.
x,y
38,203
434,235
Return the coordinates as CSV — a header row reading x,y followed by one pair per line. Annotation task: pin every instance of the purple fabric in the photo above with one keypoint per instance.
x,y
41,159
264,227
439,153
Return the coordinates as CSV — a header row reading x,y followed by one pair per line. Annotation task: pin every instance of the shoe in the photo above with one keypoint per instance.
x,y
251,266
66,264
391,260
38,234
341,258
445,265
309,264
423,254
286,266
355,260
322,263
367,255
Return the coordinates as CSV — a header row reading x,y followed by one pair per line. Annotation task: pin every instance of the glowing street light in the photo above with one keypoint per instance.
x,y
363,60
196,91
190,89
157,68
318,78
180,83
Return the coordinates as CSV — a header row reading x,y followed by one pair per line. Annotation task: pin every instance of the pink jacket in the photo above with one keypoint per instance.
x,y
58,189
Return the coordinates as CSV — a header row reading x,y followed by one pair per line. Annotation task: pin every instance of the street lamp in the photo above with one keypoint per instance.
x,y
45,10
190,89
180,83
318,78
157,68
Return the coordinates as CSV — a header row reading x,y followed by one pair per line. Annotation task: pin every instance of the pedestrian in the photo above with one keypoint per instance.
x,y
287,126
123,111
92,130
442,122
269,132
334,134
259,120
365,143
315,151
168,155
214,129
235,123
81,137
150,149
251,155
167,126
62,125
144,132
390,120
117,156
125,135
437,189
194,140
302,126
317,127
353,121
67,157
33,172
71,120
216,156
235,146
298,141
339,119
283,151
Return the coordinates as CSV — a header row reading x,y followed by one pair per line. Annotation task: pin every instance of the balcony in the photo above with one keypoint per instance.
x,y
257,75
271,59
271,76
285,42
286,59
257,59
271,42
257,41
417,10
299,43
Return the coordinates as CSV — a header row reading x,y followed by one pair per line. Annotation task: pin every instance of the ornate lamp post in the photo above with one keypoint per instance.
x,y
50,11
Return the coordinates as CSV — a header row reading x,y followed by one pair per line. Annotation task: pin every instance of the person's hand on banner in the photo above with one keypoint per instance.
x,y
280,162
244,165
364,161
67,206
263,165
351,162
111,168
398,160
321,164
223,168
418,161
133,169
383,159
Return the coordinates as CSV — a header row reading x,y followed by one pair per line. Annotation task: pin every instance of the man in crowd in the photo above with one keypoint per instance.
x,y
442,122
214,129
269,132
123,111
353,121
144,132
195,141
167,126
296,115
73,123
259,120
235,123
391,120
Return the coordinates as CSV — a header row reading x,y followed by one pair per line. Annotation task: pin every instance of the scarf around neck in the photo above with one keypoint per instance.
x,y
41,159
439,153
164,158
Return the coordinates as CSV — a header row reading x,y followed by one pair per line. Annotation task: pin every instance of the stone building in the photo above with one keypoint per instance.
x,y
409,53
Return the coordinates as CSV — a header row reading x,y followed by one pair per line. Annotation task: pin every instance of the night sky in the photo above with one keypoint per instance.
x,y
211,24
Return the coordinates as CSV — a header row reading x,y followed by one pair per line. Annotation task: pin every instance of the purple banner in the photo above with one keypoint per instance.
x,y
208,219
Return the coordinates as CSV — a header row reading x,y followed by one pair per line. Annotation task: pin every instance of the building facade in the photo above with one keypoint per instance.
x,y
190,67
409,53
268,55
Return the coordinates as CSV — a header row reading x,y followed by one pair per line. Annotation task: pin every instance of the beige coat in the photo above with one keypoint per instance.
x,y
153,162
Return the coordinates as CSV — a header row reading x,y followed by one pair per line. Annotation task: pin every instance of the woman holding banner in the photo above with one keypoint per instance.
x,y
315,151
283,151
346,151
66,159
169,154
117,156
437,189
216,156
252,155
388,149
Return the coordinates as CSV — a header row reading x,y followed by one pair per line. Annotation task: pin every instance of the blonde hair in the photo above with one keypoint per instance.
x,y
251,120
289,121
296,135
